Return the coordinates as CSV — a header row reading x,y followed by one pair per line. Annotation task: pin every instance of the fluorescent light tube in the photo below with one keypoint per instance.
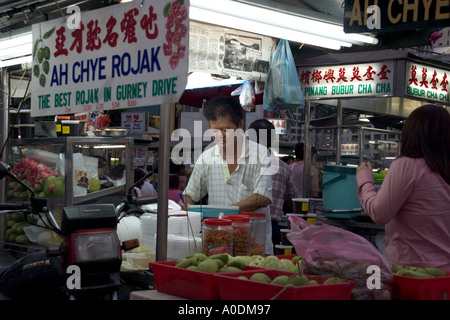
x,y
282,20
262,28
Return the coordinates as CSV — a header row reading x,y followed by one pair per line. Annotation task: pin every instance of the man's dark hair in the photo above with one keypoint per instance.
x,y
224,106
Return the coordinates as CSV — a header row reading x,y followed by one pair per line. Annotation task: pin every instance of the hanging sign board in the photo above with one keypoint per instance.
x,y
123,56
354,80
427,82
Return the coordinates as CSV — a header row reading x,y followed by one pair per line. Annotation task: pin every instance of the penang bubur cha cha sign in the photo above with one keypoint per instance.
x,y
122,56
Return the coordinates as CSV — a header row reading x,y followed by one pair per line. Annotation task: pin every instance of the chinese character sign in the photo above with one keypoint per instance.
x,y
123,56
427,82
359,80
134,121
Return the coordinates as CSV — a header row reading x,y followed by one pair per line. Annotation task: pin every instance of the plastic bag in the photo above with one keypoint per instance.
x,y
246,95
334,252
282,90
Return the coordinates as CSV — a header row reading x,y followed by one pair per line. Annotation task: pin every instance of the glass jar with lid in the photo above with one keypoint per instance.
x,y
217,236
241,234
257,232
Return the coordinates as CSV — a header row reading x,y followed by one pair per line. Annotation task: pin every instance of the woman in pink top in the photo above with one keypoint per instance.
x,y
414,200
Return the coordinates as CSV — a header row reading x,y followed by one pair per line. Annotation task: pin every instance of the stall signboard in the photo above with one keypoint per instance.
x,y
134,121
280,125
123,56
362,16
344,81
427,82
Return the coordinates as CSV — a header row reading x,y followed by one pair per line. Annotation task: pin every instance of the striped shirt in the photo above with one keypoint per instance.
x,y
283,188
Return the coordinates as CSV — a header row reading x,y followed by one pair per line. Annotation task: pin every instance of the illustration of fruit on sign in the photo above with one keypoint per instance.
x,y
176,14
41,57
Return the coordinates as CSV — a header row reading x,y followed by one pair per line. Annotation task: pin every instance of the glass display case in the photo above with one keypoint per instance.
x,y
88,168
68,171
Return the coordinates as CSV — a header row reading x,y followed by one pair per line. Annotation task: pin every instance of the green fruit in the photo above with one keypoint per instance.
x,y
41,55
261,277
238,263
281,280
296,258
221,256
22,238
229,269
299,280
199,256
333,280
209,265
36,70
435,272
45,66
194,268
42,80
242,278
46,52
184,263
313,283
219,263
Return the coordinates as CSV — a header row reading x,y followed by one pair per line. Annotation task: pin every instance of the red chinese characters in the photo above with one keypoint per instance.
x,y
92,36
425,82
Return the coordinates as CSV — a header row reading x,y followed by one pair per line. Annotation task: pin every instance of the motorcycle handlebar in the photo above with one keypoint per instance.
x,y
141,202
14,206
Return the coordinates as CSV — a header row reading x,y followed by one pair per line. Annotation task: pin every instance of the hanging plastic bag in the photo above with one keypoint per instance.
x,y
282,90
246,95
334,252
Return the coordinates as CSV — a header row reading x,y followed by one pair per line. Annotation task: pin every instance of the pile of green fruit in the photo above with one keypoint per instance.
x,y
296,280
212,264
14,232
417,272
226,263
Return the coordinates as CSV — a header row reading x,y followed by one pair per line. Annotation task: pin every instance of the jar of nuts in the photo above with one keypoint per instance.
x,y
217,236
241,234
257,232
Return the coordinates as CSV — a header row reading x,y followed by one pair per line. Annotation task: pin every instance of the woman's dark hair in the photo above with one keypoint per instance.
x,y
299,150
426,134
260,124
174,181
138,175
224,106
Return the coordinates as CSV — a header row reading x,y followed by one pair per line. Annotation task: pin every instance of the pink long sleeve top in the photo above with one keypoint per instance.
x,y
413,204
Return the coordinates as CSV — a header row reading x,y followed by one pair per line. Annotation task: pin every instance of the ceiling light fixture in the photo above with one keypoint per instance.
x,y
233,14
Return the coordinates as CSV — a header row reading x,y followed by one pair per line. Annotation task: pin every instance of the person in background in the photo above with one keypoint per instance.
x,y
182,180
297,168
174,190
413,202
287,159
283,188
145,188
150,159
233,171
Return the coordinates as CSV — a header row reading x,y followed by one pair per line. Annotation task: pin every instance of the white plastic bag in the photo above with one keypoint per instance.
x,y
246,94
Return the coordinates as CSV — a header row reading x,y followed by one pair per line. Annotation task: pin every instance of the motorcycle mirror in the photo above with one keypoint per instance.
x,y
4,170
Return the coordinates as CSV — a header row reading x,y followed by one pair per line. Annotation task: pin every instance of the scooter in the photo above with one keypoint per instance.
x,y
86,265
